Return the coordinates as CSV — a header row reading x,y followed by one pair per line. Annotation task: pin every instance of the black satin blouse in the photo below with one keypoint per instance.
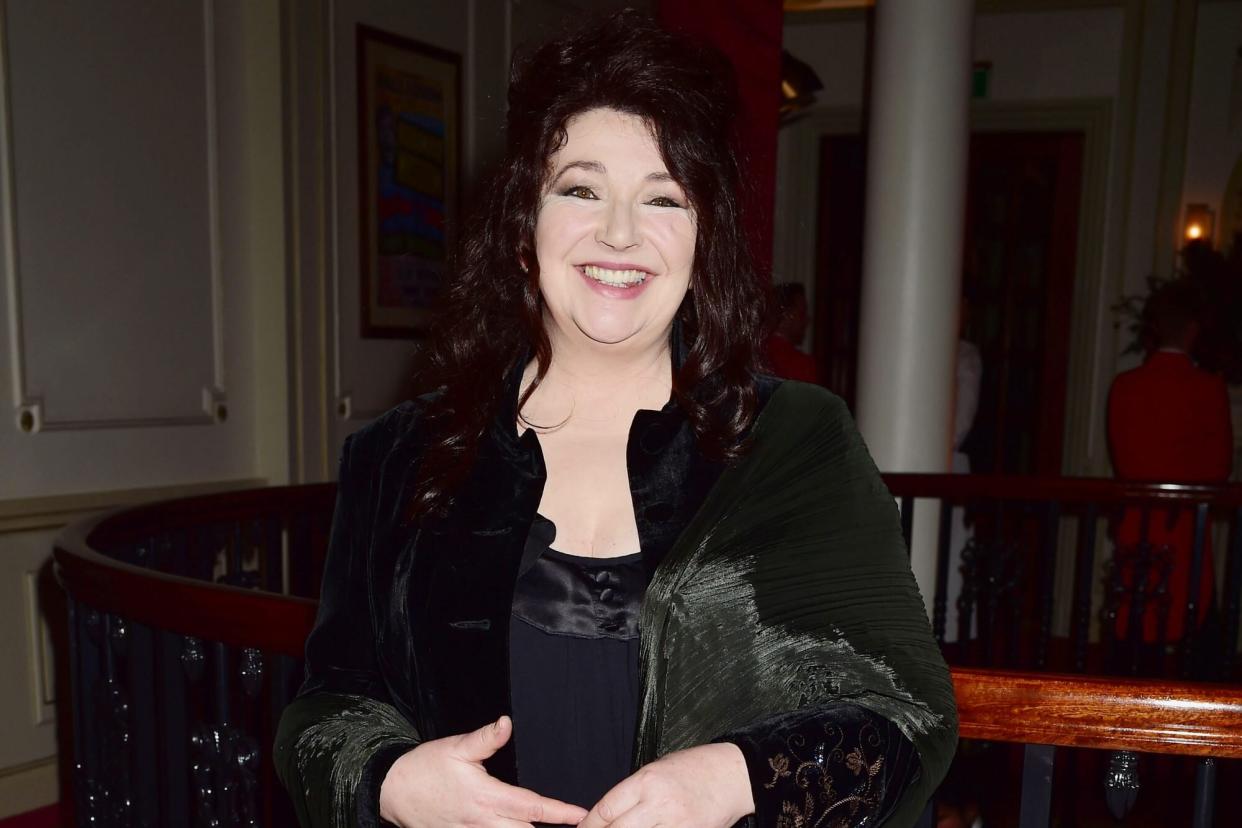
x,y
574,669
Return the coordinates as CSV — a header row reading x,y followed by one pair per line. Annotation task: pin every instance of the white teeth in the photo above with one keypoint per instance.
x,y
615,278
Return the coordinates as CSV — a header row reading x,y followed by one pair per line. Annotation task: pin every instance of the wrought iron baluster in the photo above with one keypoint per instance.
x,y
113,709
139,672
272,561
1189,656
1082,585
202,747
1121,783
1049,524
990,586
1037,765
172,701
84,673
251,672
1233,594
1205,792
1138,591
224,782
939,609
907,520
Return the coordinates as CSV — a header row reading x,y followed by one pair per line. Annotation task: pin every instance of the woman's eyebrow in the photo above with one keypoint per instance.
x,y
589,166
597,167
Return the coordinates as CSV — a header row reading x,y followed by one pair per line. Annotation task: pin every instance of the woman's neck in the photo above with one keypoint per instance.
x,y
598,386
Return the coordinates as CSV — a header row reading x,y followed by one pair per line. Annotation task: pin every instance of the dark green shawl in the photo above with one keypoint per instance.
x,y
789,588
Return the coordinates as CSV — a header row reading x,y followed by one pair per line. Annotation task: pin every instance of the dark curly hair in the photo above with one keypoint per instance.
x,y
492,313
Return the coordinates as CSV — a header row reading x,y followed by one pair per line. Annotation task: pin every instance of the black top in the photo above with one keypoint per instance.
x,y
574,668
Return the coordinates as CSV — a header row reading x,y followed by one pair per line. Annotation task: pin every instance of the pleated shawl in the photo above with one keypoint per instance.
x,y
791,587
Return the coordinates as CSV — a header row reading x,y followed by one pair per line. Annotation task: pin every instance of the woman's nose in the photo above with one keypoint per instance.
x,y
619,229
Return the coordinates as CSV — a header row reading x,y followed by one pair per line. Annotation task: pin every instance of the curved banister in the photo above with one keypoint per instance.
x,y
1105,713
1040,708
190,606
187,606
1061,489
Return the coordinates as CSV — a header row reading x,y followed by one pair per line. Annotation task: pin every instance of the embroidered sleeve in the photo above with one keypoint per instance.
x,y
830,766
333,751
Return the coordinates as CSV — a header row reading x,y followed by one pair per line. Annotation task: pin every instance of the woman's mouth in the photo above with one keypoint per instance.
x,y
614,278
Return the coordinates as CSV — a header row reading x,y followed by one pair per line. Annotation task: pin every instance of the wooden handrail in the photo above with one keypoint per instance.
x,y
1060,489
1100,712
188,606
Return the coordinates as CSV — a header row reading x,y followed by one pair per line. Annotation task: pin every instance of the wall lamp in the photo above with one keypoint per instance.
x,y
1198,226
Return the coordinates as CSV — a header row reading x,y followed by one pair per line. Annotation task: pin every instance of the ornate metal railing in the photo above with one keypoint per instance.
x,y
1004,544
187,622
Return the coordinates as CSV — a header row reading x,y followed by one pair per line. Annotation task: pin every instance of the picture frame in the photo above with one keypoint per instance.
x,y
409,150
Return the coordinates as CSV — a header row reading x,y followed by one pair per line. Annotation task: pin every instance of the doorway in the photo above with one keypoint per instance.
x,y
1019,262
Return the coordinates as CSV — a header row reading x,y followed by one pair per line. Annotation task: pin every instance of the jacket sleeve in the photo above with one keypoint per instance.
x,y
857,763
338,738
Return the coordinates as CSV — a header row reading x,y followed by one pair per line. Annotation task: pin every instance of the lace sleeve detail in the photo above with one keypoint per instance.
x,y
831,766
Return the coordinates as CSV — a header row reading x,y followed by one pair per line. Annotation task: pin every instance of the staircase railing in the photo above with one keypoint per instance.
x,y
188,617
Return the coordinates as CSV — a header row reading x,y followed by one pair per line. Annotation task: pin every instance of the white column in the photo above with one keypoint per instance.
x,y
912,257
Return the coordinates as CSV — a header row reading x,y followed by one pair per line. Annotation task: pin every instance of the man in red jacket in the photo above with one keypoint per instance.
x,y
1168,421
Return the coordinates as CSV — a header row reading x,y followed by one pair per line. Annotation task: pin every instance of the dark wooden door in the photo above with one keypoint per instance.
x,y
1018,276
1019,261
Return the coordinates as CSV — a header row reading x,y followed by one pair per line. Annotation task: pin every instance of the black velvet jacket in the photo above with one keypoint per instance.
x,y
411,640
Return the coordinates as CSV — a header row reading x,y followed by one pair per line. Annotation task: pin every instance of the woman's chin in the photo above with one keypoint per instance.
x,y
609,335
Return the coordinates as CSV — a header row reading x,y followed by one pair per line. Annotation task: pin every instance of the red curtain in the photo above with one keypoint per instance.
x,y
749,33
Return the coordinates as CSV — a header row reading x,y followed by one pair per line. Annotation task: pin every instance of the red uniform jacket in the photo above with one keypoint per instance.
x,y
787,362
1168,421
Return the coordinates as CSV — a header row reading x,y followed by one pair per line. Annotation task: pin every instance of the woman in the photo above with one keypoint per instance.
x,y
599,457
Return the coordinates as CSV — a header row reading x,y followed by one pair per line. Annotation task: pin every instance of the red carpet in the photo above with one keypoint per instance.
x,y
48,817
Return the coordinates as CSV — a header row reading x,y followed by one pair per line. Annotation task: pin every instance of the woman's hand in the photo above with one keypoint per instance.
x,y
706,786
443,782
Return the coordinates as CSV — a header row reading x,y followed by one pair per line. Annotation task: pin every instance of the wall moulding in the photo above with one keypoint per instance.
x,y
27,787
57,511
37,409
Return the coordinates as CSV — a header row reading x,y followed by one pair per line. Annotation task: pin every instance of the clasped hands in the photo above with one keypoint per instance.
x,y
443,782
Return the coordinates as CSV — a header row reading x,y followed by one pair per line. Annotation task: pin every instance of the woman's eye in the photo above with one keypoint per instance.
x,y
664,201
578,192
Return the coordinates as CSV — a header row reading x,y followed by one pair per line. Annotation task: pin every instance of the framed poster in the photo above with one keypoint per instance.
x,y
409,135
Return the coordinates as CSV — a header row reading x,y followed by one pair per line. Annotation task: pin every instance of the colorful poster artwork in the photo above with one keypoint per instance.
x,y
408,139
410,194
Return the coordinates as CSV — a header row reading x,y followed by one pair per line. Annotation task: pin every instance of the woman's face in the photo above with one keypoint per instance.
x,y
614,236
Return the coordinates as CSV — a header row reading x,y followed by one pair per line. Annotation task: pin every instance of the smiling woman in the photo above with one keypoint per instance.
x,y
604,571
615,238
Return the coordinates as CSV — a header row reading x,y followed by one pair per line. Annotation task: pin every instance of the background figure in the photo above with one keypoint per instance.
x,y
965,406
784,356
1168,421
